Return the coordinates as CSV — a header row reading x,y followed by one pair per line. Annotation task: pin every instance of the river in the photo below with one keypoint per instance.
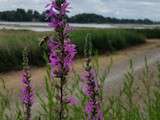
x,y
41,27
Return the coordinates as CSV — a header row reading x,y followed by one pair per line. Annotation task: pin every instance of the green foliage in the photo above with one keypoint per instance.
x,y
21,15
4,101
12,43
107,40
94,18
115,107
48,106
87,18
7,103
32,15
150,33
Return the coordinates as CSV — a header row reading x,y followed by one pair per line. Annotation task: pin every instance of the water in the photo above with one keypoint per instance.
x,y
41,27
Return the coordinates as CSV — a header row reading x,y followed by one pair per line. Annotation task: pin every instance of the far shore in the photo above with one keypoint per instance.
x,y
42,26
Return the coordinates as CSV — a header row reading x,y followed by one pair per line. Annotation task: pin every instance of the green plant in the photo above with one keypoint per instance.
x,y
12,43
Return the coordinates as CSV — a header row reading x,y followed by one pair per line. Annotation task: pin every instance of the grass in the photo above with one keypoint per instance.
x,y
105,40
150,33
12,43
134,101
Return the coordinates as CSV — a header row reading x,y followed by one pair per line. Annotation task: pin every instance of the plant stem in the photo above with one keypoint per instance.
x,y
61,114
62,79
28,112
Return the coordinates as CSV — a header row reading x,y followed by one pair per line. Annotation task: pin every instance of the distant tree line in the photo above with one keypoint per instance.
x,y
22,15
94,18
35,16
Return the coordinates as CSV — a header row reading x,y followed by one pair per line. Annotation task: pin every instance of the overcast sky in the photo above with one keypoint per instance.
x,y
113,8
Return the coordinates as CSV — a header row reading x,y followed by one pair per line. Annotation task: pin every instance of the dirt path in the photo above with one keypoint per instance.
x,y
115,79
120,64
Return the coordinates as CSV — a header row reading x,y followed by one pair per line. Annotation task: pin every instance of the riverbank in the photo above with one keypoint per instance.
x,y
43,27
105,41
120,62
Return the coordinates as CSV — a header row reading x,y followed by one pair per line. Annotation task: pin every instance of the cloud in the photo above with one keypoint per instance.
x,y
120,8
113,8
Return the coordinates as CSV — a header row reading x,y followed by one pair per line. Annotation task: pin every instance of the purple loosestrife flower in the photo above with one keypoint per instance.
x,y
57,9
70,52
61,50
90,87
93,110
27,93
89,107
71,100
55,60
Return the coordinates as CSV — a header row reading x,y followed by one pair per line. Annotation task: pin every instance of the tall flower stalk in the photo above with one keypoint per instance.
x,y
62,50
27,92
90,86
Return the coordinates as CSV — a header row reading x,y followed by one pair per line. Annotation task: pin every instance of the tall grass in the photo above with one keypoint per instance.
x,y
12,43
107,40
134,101
150,33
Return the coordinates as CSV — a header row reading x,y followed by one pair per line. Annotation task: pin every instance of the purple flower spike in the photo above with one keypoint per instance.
x,y
61,50
89,107
72,100
90,88
55,60
55,12
27,93
93,110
